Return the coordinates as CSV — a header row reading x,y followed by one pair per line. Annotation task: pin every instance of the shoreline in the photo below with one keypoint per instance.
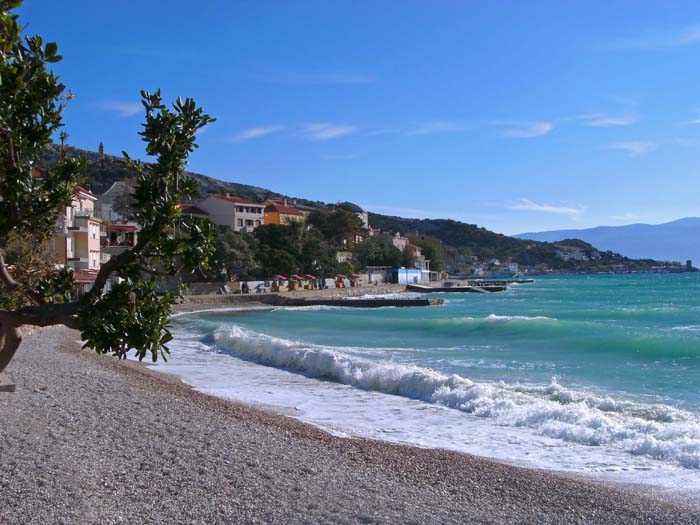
x,y
649,487
90,438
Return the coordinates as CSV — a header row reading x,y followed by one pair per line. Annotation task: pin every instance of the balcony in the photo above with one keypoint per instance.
x,y
78,263
88,214
80,224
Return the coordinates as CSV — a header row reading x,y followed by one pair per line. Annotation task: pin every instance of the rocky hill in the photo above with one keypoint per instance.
x,y
103,170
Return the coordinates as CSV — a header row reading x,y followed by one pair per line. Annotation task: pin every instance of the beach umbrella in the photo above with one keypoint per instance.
x,y
280,278
309,276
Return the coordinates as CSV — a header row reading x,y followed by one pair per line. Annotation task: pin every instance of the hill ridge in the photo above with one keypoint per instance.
x,y
670,241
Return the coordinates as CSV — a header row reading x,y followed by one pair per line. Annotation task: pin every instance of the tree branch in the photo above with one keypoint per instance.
x,y
5,276
43,315
115,264
12,337
11,158
13,285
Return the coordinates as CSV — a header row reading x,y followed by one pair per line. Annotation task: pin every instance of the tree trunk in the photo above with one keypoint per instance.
x,y
10,339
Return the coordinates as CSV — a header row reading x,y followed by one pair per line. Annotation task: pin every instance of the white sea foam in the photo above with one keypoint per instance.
x,y
310,308
493,318
689,328
656,431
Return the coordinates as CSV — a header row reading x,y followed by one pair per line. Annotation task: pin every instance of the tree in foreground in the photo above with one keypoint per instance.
x,y
130,314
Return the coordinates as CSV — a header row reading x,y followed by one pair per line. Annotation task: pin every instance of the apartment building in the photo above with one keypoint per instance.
x,y
77,244
240,214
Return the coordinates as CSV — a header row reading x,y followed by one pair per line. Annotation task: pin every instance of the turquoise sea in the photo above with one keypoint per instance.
x,y
592,374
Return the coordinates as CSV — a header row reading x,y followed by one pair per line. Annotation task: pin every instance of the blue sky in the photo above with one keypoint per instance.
x,y
517,116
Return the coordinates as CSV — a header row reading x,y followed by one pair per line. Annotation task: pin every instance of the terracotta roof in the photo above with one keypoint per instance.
x,y
85,190
85,276
236,200
281,208
191,209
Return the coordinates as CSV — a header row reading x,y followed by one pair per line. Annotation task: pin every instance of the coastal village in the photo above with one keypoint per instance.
x,y
96,228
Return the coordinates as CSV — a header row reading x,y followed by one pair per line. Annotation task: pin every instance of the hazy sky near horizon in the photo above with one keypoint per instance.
x,y
517,116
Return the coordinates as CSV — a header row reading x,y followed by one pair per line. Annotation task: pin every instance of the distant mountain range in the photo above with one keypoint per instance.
x,y
672,241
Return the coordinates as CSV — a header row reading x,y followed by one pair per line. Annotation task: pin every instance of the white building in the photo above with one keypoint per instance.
x,y
112,203
569,253
114,208
240,214
399,242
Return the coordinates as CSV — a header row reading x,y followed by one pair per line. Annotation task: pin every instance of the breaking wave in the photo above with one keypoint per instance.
x,y
653,430
493,318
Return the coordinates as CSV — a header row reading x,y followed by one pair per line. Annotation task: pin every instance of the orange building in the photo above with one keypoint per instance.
x,y
279,212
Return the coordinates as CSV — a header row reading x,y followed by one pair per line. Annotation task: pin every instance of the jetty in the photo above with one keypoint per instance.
x,y
476,288
503,282
377,302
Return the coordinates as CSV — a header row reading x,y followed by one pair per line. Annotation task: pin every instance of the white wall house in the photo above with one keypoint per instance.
x,y
240,214
399,241
108,203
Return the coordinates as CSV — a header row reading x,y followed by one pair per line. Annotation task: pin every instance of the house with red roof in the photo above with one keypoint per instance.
x,y
281,212
241,214
192,210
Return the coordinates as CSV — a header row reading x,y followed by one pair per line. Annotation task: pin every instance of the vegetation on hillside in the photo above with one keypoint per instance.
x,y
461,239
102,170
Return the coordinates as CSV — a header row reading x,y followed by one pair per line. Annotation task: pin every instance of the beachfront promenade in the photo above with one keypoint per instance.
x,y
90,439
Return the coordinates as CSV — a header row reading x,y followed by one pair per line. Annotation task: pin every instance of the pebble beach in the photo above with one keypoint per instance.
x,y
90,439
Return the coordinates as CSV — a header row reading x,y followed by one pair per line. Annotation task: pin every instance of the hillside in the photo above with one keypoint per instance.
x,y
472,239
458,238
672,241
469,239
103,170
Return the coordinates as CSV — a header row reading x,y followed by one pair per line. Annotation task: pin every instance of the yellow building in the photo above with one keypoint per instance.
x,y
279,212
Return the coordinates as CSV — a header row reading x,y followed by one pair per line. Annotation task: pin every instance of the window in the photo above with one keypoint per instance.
x,y
240,222
258,223
248,222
